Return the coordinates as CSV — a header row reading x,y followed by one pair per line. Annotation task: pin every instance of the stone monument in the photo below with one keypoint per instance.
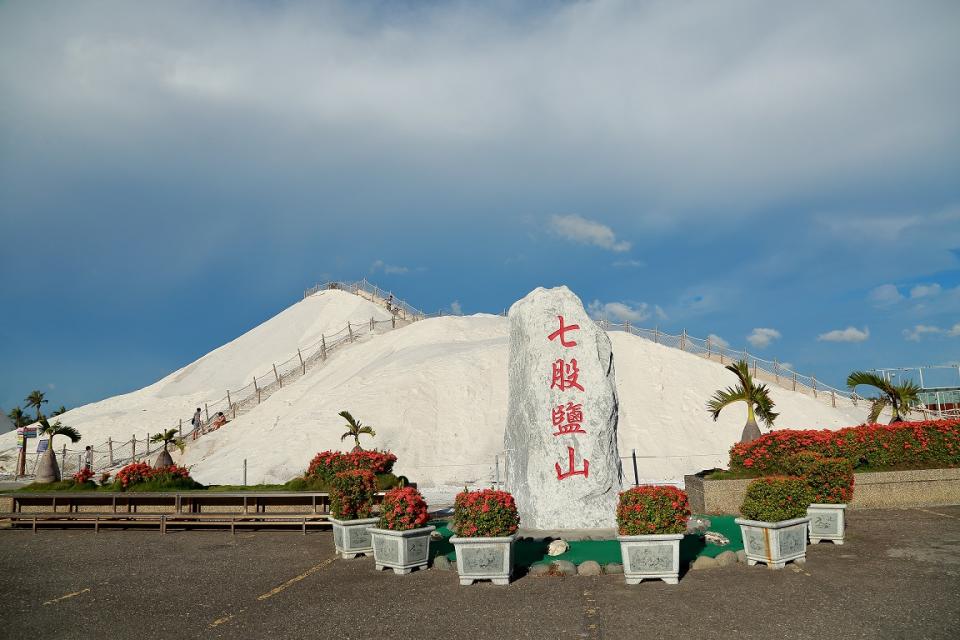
x,y
563,468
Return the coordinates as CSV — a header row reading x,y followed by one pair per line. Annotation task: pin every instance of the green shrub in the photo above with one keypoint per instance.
x,y
776,498
830,479
652,509
351,497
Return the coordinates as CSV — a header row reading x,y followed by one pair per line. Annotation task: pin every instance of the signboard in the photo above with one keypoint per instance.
x,y
43,445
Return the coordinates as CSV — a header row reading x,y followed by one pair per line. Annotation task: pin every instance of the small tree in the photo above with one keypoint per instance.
x,y
58,412
354,429
19,418
167,437
757,397
48,470
901,398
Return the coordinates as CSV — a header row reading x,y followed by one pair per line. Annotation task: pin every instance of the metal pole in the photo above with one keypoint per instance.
x,y
147,440
636,476
229,401
683,340
656,335
776,370
244,472
133,448
794,380
110,448
256,388
833,397
180,428
277,376
303,367
814,378
323,347
496,471
708,348
350,330
371,323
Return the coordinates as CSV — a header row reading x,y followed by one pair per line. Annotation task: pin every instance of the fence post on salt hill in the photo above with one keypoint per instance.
x,y
133,448
709,351
393,322
814,378
350,330
147,440
371,324
833,398
323,347
256,388
229,401
794,380
110,449
180,428
683,340
277,376
303,367
206,410
656,334
754,367
79,461
776,369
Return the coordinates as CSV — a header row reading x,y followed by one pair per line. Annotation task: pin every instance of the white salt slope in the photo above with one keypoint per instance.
x,y
436,392
232,366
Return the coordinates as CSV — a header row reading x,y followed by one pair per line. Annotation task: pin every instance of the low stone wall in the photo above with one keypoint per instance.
x,y
885,489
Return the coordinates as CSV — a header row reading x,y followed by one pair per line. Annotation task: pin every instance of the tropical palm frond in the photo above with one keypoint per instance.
x,y
741,369
64,430
764,405
349,418
877,405
869,379
180,445
59,412
726,397
348,434
908,394
367,430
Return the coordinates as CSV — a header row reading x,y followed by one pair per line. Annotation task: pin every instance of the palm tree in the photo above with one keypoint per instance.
x,y
167,437
354,429
48,470
36,399
19,418
757,397
901,397
59,412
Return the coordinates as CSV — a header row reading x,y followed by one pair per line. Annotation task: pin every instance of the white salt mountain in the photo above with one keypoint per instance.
x,y
561,431
436,391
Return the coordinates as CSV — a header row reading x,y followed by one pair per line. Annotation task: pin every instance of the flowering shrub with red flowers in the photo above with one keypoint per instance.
x,y
83,476
652,509
776,498
402,508
351,496
326,464
485,514
830,479
133,473
932,443
141,473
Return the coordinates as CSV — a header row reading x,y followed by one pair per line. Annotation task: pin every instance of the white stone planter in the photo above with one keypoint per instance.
x,y
651,557
827,522
484,559
352,537
774,543
402,551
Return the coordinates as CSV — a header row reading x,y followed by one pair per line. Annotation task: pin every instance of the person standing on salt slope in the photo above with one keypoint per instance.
x,y
197,421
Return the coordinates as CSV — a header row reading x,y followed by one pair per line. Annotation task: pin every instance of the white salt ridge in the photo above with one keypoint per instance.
x,y
436,392
232,366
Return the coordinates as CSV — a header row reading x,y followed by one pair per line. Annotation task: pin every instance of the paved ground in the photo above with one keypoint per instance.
x,y
898,576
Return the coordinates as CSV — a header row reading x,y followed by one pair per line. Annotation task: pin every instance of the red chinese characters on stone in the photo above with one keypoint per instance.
x,y
565,375
559,333
585,472
567,419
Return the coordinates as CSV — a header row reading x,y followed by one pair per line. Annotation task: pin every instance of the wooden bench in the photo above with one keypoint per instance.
x,y
164,520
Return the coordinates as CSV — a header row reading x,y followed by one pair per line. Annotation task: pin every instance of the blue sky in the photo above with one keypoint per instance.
x,y
171,175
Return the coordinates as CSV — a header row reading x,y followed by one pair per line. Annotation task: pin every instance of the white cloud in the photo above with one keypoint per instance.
x,y
579,229
885,295
629,264
850,334
925,290
456,308
390,269
718,341
786,365
762,337
918,331
954,331
619,311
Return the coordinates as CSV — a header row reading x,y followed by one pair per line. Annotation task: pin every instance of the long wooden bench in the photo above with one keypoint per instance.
x,y
165,520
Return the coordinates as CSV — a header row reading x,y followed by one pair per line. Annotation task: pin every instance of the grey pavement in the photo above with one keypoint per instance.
x,y
898,576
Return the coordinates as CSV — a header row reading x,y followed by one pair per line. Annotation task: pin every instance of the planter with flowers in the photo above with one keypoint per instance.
x,y
831,484
774,523
351,504
401,539
651,521
486,524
